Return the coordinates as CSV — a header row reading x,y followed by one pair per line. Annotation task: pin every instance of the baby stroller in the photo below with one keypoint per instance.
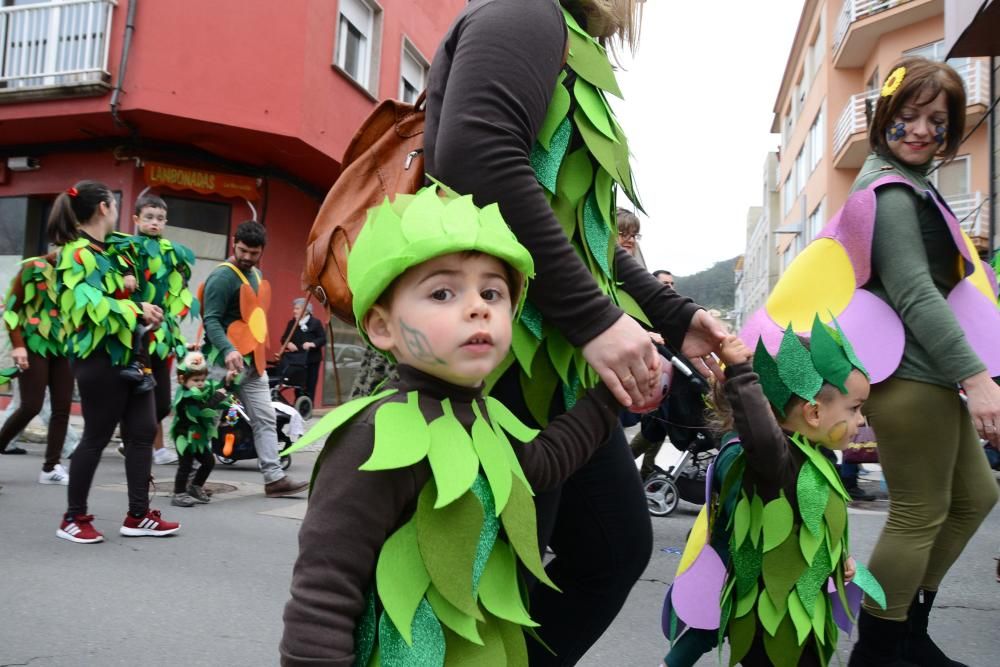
x,y
235,439
284,379
688,434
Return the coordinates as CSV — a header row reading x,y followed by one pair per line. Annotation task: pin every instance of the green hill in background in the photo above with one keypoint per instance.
x,y
712,288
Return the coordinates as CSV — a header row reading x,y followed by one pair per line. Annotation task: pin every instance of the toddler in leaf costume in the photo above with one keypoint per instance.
x,y
421,510
195,425
768,562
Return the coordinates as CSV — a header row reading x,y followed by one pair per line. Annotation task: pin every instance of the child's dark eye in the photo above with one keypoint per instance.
x,y
492,294
441,294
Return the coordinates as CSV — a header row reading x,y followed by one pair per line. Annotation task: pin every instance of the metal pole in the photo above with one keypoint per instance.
x,y
994,94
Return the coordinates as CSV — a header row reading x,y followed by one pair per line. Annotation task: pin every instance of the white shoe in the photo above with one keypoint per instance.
x,y
57,475
165,456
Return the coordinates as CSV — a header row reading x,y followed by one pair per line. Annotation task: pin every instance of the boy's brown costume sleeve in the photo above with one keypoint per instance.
x,y
350,516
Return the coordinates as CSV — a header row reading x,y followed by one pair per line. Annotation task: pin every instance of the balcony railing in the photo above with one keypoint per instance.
x,y
973,212
855,10
56,44
854,120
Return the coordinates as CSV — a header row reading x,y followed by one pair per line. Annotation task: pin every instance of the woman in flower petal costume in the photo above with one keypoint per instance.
x,y
905,282
517,114
421,513
768,563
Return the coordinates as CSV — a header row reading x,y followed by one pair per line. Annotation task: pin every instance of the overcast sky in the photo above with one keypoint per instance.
x,y
699,94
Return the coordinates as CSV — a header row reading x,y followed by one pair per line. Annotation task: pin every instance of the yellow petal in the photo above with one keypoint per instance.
x,y
820,281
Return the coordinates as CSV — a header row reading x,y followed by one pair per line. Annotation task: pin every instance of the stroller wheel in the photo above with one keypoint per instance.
x,y
225,460
285,462
661,495
304,406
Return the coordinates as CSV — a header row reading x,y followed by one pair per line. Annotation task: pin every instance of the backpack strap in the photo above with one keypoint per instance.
x,y
241,275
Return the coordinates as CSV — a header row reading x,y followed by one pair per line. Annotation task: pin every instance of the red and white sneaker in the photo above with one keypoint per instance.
x,y
152,525
80,529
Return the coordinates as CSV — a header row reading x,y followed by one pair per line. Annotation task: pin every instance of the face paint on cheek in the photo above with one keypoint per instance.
x,y
896,132
940,134
837,432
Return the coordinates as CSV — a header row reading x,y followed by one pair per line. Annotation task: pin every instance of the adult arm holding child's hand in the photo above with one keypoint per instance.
x,y
984,406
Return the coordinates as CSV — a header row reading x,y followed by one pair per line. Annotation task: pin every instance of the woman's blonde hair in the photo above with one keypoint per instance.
x,y
719,411
606,19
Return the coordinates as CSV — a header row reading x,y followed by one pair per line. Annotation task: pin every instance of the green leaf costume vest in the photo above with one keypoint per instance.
x,y
38,315
195,424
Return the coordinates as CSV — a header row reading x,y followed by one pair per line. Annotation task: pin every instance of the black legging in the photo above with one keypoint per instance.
x,y
185,462
161,373
107,400
43,372
598,525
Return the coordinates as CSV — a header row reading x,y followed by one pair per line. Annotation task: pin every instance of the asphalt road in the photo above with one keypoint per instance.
x,y
213,594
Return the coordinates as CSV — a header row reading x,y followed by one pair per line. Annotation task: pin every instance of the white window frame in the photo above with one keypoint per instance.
x,y
411,59
817,139
801,169
788,192
365,16
967,159
815,221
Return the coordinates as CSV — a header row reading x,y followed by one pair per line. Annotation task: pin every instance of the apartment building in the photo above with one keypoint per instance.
x,y
230,110
760,268
842,51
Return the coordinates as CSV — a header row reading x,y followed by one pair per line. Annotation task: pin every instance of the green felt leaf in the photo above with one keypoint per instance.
x,y
778,519
575,175
10,319
602,148
812,494
756,519
588,97
561,355
513,642
524,346
556,113
741,633
334,419
604,192
493,459
632,307
457,621
428,640
452,457
519,523
848,348
588,59
498,589
836,550
869,584
491,653
812,582
836,518
770,616
402,437
565,211
782,648
800,617
774,387
448,538
401,578
819,617
746,603
782,568
512,460
539,388
741,521
500,415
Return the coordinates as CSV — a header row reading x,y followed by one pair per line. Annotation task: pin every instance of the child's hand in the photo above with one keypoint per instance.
x,y
734,351
131,284
231,375
850,569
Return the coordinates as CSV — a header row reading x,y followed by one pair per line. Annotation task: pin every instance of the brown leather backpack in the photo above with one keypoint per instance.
x,y
384,158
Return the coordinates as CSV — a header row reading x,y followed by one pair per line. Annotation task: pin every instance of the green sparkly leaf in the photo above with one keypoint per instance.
x,y
531,317
575,175
401,436
493,459
588,97
741,521
334,419
747,562
598,234
796,368
766,367
489,532
555,116
453,460
782,568
401,578
778,520
741,634
828,356
447,538
498,589
823,465
500,415
812,493
757,517
428,640
519,523
452,619
770,616
365,631
869,584
800,617
490,653
812,583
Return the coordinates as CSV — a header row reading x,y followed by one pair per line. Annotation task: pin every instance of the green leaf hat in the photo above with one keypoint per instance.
x,y
798,371
413,229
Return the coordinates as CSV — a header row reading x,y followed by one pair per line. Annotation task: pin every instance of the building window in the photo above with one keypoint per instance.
x,y
788,193
412,73
816,140
952,179
801,170
816,220
356,40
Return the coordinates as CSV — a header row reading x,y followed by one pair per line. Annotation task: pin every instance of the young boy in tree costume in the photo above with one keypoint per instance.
x,y
768,562
421,508
195,424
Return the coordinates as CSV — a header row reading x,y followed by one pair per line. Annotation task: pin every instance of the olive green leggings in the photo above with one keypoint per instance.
x,y
940,487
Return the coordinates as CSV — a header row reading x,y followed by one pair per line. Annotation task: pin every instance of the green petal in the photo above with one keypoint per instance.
x,y
493,458
448,538
401,436
499,591
401,578
778,520
453,460
520,524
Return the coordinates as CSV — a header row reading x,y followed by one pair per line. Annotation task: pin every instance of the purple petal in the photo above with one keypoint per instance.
x,y
696,594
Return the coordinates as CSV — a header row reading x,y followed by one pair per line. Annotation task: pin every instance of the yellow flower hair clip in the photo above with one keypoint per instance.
x,y
894,81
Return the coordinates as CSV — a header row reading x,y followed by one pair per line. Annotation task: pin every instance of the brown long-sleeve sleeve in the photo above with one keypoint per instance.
x,y
669,312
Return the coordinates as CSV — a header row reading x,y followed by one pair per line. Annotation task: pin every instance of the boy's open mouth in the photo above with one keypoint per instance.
x,y
478,339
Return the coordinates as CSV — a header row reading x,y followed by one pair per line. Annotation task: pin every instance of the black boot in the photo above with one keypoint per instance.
x,y
918,647
880,643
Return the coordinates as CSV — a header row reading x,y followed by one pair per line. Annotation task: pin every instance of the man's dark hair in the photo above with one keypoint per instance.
x,y
251,234
149,201
661,272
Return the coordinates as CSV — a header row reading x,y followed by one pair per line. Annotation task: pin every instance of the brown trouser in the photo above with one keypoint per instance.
x,y
43,372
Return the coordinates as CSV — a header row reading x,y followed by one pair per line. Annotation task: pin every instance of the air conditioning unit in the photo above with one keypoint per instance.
x,y
23,163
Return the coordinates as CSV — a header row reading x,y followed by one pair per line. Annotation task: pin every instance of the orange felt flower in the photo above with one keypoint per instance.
x,y
249,335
